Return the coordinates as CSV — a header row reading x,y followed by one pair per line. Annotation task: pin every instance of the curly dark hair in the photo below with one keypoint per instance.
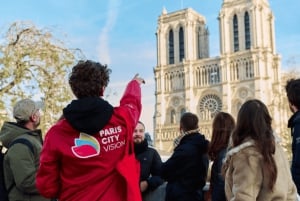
x,y
88,78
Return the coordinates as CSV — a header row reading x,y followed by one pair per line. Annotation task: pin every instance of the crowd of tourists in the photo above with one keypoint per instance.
x,y
98,152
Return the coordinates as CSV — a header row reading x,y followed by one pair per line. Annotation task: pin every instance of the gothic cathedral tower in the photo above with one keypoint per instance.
x,y
187,79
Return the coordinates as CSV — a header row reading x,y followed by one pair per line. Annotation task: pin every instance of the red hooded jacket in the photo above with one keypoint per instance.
x,y
81,151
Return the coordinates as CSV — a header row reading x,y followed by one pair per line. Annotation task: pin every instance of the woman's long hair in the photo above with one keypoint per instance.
x,y
223,125
254,122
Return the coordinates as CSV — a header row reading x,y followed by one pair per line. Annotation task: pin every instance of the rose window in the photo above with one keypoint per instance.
x,y
210,105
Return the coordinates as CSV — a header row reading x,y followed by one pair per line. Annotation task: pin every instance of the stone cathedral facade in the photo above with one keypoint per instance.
x,y
188,79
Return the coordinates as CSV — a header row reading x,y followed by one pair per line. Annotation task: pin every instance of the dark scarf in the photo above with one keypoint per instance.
x,y
182,135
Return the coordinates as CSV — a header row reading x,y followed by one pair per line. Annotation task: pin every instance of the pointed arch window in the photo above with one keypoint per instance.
x,y
238,106
182,111
235,33
247,31
173,117
181,44
247,70
237,71
171,47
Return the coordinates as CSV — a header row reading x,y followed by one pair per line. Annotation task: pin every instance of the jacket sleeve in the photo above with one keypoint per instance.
x,y
155,179
247,177
169,170
23,167
131,101
47,178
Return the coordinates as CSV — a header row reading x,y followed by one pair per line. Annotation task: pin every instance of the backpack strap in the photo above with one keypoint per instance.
x,y
22,141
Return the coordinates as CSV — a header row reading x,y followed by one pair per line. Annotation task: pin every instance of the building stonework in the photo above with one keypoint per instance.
x,y
188,79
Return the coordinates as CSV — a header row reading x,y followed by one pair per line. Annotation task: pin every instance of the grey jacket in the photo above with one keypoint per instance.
x,y
20,163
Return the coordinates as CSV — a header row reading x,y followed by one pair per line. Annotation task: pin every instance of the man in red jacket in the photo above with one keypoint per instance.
x,y
81,151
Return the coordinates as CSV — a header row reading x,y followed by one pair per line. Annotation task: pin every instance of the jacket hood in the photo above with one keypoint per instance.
x,y
238,148
10,131
88,115
248,142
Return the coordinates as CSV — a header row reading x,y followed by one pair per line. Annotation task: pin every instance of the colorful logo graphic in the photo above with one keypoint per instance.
x,y
86,146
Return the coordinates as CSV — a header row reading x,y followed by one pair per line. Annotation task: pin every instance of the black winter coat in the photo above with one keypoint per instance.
x,y
186,170
150,162
217,181
294,124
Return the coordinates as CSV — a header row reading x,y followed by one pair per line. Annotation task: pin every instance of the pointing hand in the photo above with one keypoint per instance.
x,y
139,79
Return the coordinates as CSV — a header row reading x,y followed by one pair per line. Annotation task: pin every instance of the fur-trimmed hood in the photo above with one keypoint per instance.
x,y
246,178
238,148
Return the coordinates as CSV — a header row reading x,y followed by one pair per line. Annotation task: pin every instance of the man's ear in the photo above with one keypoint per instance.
x,y
34,117
293,108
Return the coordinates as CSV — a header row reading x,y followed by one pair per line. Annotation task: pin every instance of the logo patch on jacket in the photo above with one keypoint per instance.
x,y
86,146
